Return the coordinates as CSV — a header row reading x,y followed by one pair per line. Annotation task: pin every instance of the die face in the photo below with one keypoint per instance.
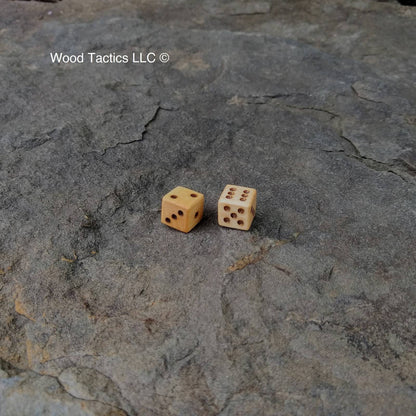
x,y
184,197
237,207
239,195
174,215
182,208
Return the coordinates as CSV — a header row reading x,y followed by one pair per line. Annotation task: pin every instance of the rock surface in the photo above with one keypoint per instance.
x,y
105,311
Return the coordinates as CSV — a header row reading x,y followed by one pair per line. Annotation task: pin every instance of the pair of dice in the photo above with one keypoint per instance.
x,y
182,208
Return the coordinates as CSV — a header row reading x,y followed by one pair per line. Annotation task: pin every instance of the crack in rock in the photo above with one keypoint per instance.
x,y
354,88
384,167
13,371
371,163
143,133
83,399
378,166
91,384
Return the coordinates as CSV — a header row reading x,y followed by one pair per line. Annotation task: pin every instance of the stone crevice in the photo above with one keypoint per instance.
x,y
83,399
365,98
143,133
12,371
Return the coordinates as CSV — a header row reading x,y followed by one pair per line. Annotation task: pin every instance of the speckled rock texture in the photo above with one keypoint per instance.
x,y
105,311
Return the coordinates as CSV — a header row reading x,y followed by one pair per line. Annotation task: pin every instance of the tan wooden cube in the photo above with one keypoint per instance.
x,y
182,208
237,207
